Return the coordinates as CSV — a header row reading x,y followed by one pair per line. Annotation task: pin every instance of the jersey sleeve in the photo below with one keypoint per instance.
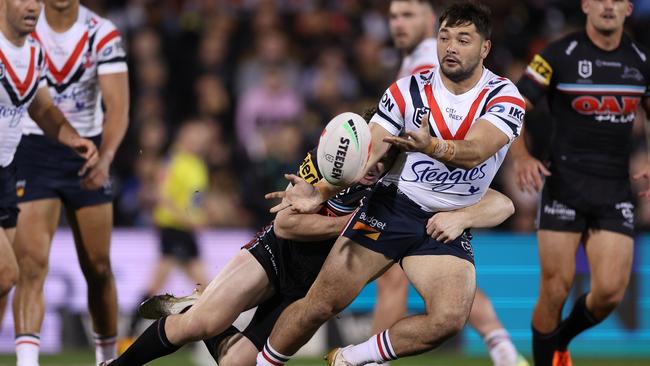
x,y
111,56
539,75
308,169
506,111
390,111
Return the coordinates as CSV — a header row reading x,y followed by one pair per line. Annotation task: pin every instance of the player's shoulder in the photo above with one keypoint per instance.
x,y
94,23
498,84
639,51
566,45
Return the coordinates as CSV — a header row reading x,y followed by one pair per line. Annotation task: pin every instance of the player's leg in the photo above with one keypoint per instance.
x,y
484,320
447,284
610,260
347,269
557,251
92,226
37,223
392,292
241,284
8,267
195,270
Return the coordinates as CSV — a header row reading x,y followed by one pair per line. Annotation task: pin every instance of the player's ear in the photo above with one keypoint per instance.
x,y
485,48
584,4
630,8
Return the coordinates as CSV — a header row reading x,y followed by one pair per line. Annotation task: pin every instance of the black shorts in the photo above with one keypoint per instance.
x,y
179,244
47,169
388,222
8,200
291,266
266,314
573,202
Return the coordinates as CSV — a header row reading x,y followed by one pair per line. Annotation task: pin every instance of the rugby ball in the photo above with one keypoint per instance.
x,y
343,149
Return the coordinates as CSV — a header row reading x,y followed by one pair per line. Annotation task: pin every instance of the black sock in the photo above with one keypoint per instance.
x,y
151,344
213,343
544,346
136,318
578,321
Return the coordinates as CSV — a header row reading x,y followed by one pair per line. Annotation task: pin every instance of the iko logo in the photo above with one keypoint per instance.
x,y
516,113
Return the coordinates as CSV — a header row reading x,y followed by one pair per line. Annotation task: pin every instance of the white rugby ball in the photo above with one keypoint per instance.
x,y
343,149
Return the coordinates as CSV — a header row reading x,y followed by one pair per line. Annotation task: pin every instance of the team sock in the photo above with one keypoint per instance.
x,y
105,348
270,357
377,348
544,346
213,343
136,319
152,344
502,351
27,348
577,322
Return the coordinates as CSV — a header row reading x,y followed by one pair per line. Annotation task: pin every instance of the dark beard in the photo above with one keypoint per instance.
x,y
460,75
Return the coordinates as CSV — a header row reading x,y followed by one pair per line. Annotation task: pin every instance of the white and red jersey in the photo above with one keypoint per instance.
x,y
21,74
423,57
91,47
429,182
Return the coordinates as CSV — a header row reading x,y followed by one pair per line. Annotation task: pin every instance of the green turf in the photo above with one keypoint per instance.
x,y
183,359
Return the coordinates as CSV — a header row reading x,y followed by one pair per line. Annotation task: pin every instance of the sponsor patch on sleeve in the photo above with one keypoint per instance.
x,y
540,70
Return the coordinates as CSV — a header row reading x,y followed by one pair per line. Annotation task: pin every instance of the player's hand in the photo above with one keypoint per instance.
x,y
87,150
301,197
418,140
446,226
97,175
644,173
529,171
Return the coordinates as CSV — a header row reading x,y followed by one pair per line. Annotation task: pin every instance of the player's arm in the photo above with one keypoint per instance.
x,y
645,173
115,96
493,209
54,124
292,225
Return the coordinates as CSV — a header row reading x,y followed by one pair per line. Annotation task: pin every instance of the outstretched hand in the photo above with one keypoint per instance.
x,y
301,196
418,140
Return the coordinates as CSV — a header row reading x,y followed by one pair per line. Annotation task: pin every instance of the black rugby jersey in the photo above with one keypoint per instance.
x,y
593,96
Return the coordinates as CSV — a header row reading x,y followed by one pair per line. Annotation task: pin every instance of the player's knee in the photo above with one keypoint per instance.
x,y
8,278
33,269
555,288
604,301
321,310
98,270
443,325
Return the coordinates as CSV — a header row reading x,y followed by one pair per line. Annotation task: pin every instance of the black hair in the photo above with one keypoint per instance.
x,y
430,2
469,12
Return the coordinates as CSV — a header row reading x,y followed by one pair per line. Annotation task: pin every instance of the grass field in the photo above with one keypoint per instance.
x,y
184,359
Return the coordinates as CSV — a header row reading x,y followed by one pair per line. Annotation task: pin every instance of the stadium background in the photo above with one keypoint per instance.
x,y
268,75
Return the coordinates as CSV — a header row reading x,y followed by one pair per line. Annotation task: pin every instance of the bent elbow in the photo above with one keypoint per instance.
x,y
509,208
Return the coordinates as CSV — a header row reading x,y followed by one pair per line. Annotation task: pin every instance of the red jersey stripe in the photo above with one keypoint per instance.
x,y
439,119
467,122
107,38
507,99
21,86
60,75
399,98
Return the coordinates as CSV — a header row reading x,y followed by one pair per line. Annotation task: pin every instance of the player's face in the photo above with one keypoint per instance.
x,y
410,23
607,15
60,5
461,49
22,15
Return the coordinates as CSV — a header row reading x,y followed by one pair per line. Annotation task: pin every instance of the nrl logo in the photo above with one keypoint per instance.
x,y
584,68
419,114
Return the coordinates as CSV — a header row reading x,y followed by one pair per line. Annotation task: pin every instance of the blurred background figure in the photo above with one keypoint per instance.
x,y
179,209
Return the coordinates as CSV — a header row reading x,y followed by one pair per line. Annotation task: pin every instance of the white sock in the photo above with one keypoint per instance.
x,y
377,348
502,351
27,347
270,357
105,348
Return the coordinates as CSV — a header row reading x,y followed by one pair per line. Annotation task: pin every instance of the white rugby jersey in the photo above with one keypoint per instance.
x,y
428,182
21,74
91,47
423,57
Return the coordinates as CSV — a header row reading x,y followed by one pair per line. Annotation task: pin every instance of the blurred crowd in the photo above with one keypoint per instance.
x,y
267,75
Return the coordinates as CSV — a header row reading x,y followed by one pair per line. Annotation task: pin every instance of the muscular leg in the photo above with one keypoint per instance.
x,y
557,251
36,225
8,268
240,285
237,351
484,320
392,293
347,269
610,259
447,285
